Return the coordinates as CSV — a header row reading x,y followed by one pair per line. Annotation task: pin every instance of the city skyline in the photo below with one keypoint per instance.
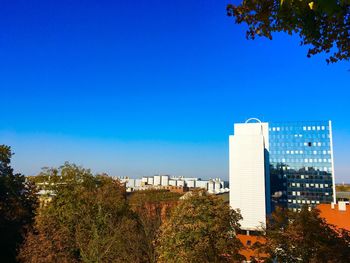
x,y
135,89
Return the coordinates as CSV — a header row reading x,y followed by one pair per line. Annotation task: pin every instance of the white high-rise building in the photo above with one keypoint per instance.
x,y
249,172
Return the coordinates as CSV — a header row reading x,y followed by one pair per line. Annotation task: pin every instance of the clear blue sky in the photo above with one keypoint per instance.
x,y
141,87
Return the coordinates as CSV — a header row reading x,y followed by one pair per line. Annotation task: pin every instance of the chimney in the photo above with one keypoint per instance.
x,y
332,205
342,206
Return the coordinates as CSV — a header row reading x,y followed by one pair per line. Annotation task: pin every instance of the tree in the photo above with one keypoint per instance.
x,y
18,203
322,24
88,220
200,229
153,208
304,237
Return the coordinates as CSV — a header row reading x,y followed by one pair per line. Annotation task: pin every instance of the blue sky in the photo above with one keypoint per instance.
x,y
141,87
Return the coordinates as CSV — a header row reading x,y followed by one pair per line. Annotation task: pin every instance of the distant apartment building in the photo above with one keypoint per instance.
x,y
215,186
288,164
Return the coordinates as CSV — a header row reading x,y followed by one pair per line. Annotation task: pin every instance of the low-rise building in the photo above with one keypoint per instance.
x,y
215,186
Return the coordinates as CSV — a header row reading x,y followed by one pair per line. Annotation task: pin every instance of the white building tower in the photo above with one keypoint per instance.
x,y
249,172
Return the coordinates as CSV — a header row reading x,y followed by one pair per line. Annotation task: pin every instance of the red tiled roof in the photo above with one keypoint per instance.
x,y
341,219
248,242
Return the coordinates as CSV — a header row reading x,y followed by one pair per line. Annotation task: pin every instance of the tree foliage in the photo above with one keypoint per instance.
x,y
305,237
153,208
18,203
200,229
322,24
88,220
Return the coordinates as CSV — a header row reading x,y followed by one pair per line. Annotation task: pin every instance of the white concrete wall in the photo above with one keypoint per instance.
x,y
247,173
157,180
211,186
202,184
217,186
172,182
130,183
165,180
191,183
138,182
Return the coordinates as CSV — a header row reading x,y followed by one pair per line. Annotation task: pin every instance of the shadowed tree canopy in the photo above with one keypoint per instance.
x,y
201,228
153,208
304,237
324,25
18,203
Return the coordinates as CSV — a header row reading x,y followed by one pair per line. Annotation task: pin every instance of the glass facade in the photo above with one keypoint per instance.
x,y
301,163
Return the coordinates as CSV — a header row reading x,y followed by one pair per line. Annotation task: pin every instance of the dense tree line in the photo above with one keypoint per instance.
x,y
18,203
91,218
88,220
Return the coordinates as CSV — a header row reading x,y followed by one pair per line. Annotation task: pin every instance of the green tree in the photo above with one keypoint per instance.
x,y
201,228
153,207
88,220
304,237
322,24
18,203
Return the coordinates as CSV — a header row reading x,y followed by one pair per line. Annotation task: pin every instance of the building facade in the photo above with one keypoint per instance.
x,y
288,164
301,163
249,173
